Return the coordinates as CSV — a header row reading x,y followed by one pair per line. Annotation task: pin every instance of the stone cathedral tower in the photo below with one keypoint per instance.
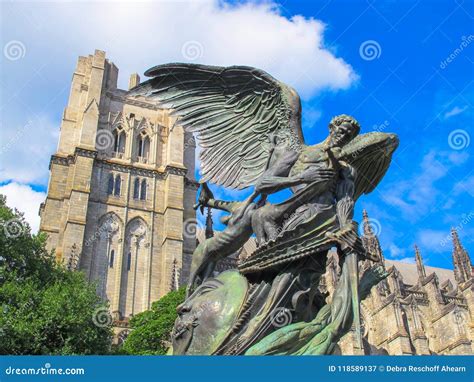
x,y
121,190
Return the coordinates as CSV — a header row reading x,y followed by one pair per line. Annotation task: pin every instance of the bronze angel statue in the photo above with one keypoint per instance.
x,y
248,126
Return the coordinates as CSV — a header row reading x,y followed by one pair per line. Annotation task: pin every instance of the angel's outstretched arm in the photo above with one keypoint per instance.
x,y
272,184
275,177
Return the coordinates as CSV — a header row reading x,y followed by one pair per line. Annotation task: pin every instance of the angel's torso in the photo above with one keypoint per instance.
x,y
313,158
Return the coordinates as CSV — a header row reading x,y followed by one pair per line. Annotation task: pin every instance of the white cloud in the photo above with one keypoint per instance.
x,y
458,158
432,240
26,200
311,115
455,111
409,260
396,251
138,35
449,204
418,195
25,150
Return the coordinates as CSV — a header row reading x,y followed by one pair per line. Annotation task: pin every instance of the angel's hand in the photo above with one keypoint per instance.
x,y
317,175
205,194
348,239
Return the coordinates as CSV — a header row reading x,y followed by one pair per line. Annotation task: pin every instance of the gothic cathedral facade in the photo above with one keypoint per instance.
x,y
121,191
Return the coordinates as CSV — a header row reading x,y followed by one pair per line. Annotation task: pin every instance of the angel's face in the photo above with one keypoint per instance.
x,y
341,135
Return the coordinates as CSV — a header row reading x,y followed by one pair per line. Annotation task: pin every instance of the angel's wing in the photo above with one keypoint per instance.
x,y
232,111
370,154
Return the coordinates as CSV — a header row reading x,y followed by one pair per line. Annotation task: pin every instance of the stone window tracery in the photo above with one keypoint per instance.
x,y
112,255
136,188
117,185
143,143
143,190
106,244
120,139
134,265
110,185
139,189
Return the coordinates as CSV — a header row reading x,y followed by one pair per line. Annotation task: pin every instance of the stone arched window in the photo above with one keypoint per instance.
x,y
143,190
111,261
129,261
134,267
117,185
110,185
120,139
106,243
136,188
139,189
143,143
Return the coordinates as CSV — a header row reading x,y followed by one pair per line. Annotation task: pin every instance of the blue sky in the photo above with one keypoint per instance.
x,y
414,92
396,66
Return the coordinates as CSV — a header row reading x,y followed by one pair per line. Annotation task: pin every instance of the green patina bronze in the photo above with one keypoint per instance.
x,y
248,126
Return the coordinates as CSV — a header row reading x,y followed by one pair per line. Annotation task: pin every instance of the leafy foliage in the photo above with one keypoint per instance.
x,y
152,328
22,255
46,309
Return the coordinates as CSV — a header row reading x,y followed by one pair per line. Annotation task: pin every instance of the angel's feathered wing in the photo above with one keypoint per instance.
x,y
231,110
370,154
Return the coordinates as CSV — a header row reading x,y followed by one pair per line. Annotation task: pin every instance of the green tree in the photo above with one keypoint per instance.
x,y
152,328
45,308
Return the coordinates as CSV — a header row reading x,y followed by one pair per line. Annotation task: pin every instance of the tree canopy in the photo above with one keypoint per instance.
x,y
46,309
152,328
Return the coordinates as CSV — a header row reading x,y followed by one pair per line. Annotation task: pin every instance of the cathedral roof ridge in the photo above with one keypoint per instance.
x,y
410,274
